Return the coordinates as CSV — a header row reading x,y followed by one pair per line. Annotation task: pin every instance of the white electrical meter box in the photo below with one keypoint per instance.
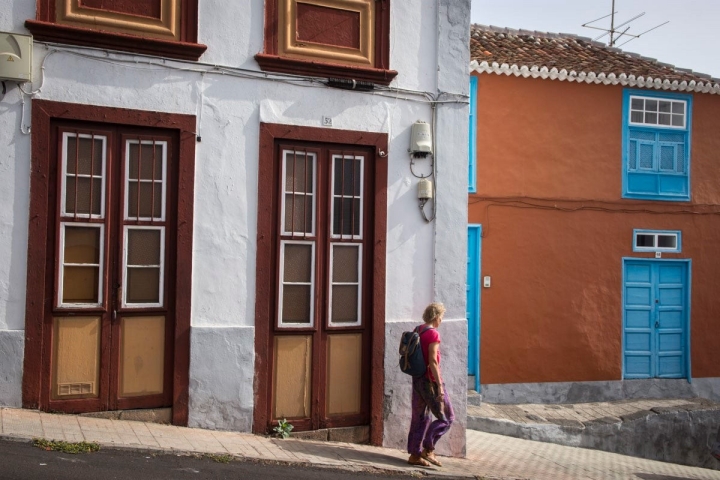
x,y
16,57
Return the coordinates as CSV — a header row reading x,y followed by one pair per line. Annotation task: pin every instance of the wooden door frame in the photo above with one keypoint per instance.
x,y
41,187
264,285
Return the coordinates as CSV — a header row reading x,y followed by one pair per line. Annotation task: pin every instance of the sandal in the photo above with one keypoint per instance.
x,y
418,461
429,455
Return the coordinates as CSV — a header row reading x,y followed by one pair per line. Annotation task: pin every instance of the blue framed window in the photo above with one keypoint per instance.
x,y
656,145
472,150
657,241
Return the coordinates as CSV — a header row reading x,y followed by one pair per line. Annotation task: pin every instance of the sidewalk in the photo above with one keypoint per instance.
x,y
489,456
669,430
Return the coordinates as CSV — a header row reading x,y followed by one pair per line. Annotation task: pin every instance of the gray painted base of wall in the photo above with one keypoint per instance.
x,y
398,386
12,348
672,436
583,392
222,367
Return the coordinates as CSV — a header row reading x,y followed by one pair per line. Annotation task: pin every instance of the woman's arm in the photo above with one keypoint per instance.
x,y
435,366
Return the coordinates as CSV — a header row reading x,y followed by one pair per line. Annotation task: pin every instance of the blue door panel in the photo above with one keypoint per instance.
x,y
656,322
671,274
671,318
638,274
637,366
472,291
636,342
638,295
670,366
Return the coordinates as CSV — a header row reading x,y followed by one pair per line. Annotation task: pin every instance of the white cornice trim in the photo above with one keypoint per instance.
x,y
596,78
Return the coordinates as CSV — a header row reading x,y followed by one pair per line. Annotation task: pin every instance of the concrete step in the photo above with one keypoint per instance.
x,y
474,398
674,431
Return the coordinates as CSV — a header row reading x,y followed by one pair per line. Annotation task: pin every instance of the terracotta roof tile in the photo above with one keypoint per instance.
x,y
503,50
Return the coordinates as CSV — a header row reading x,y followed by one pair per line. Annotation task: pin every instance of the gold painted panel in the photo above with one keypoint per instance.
x,y
292,376
71,12
344,379
76,357
142,356
290,46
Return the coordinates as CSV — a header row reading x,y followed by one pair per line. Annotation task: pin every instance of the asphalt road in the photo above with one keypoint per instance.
x,y
22,461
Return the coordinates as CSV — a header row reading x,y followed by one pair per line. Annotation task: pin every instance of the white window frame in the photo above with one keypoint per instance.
x,y
657,233
126,207
285,192
358,283
66,175
657,125
282,284
161,291
333,196
62,264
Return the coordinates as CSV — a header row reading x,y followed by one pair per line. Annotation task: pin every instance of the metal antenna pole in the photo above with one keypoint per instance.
x,y
612,25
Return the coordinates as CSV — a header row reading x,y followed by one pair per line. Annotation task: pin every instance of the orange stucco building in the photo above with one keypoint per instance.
x,y
599,205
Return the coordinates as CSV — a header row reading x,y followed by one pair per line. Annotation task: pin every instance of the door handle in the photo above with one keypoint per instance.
x,y
657,324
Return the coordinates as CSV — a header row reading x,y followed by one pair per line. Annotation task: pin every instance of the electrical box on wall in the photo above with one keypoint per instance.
x,y
15,57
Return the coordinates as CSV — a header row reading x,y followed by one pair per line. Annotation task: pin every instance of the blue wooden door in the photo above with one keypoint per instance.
x,y
656,319
472,291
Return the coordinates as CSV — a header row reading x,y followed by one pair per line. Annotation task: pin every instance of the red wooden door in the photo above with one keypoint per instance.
x,y
320,337
109,326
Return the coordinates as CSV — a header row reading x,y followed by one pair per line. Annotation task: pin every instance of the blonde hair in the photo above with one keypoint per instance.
x,y
433,310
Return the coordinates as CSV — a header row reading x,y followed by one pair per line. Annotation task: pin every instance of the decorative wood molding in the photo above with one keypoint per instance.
x,y
169,31
330,53
275,63
52,32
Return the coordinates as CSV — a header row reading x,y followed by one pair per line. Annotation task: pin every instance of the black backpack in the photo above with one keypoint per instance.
x,y
412,360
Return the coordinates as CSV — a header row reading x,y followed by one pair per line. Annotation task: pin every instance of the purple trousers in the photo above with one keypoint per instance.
x,y
424,434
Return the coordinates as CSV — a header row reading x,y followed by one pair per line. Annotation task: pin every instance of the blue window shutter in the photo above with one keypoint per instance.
x,y
656,157
472,150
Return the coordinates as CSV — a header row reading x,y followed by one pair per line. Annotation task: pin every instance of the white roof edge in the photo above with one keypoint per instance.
x,y
543,72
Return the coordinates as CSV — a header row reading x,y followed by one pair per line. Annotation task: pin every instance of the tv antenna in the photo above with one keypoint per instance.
x,y
616,32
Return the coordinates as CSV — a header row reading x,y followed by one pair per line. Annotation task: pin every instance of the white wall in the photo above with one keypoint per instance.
x,y
229,110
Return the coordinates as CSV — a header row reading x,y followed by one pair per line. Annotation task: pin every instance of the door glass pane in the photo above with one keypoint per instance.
x,y
297,281
81,265
298,213
298,188
291,376
344,303
296,304
144,266
76,357
345,263
143,285
298,263
145,186
344,380
346,276
78,195
84,169
150,201
142,356
347,196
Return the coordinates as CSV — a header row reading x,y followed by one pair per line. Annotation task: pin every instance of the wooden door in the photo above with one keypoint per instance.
x,y
109,327
320,337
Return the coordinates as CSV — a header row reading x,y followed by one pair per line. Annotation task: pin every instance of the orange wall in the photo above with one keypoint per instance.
x,y
553,312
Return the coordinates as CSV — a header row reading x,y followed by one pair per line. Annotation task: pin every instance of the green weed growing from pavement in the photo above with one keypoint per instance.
x,y
66,447
222,458
283,429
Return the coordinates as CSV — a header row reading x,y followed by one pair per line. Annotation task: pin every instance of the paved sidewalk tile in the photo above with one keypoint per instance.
x,y
488,456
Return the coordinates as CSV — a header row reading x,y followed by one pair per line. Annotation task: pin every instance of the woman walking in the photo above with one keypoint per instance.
x,y
429,395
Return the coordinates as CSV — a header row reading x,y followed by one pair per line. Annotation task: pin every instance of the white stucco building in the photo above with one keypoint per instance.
x,y
210,207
